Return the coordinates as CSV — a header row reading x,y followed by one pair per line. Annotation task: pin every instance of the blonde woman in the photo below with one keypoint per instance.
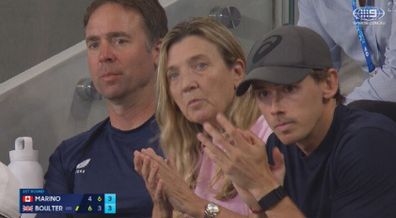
x,y
200,65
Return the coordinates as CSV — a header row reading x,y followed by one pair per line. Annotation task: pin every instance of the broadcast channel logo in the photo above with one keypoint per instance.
x,y
27,199
368,13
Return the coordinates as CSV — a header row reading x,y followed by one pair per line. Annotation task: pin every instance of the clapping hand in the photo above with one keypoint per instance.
x,y
242,157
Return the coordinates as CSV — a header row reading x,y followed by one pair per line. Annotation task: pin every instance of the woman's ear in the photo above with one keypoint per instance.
x,y
330,84
238,71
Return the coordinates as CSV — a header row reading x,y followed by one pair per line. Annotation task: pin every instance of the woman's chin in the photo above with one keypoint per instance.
x,y
201,118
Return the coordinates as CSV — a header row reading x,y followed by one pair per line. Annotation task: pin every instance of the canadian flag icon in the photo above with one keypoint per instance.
x,y
27,198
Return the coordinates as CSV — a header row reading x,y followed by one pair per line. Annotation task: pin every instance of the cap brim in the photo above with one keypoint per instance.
x,y
275,75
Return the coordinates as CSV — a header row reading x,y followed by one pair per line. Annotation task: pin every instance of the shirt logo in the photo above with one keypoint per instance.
x,y
368,13
80,167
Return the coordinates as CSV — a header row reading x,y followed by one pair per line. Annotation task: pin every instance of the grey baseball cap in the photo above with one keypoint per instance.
x,y
285,56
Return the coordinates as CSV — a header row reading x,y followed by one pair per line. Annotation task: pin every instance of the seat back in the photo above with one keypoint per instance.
x,y
383,107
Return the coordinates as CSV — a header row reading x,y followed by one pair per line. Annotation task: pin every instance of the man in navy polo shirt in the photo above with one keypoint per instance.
x,y
123,41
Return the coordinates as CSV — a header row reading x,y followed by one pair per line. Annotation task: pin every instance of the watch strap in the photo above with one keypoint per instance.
x,y
272,198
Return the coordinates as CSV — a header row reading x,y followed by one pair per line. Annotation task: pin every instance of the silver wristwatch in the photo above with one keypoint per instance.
x,y
211,210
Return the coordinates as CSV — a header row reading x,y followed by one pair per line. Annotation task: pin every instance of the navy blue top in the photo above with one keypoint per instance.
x,y
351,174
101,161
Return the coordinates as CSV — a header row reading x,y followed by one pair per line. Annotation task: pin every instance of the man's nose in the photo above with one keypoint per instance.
x,y
276,106
106,53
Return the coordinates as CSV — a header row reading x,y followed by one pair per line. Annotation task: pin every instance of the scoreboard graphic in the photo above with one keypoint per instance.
x,y
39,201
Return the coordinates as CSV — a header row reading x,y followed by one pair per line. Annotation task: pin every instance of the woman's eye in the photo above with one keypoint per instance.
x,y
172,75
201,66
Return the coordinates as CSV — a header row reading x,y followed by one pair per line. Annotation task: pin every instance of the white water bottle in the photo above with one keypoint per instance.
x,y
25,166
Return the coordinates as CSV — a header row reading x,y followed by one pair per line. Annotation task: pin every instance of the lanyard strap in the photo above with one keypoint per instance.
x,y
362,40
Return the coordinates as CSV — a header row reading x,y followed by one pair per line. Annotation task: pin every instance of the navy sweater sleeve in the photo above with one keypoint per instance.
x,y
365,175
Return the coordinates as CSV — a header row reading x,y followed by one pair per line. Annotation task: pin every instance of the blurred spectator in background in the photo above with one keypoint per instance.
x,y
334,21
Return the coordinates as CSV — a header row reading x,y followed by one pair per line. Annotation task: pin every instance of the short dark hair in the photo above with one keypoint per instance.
x,y
153,14
322,74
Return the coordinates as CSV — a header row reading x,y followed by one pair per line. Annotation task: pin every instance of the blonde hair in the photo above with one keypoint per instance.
x,y
178,135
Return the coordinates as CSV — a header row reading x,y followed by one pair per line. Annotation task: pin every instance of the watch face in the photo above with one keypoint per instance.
x,y
212,208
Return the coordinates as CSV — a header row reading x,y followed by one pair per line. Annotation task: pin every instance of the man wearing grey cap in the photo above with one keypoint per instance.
x,y
334,161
